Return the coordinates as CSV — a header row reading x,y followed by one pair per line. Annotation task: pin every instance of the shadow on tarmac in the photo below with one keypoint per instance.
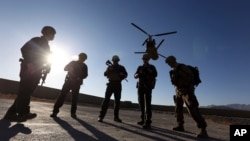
x,y
7,131
78,135
169,134
143,134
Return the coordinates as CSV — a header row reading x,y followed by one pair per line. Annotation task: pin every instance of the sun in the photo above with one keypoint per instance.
x,y
58,59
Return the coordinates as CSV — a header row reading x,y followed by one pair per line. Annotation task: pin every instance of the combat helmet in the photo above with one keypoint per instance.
x,y
115,58
48,29
83,55
170,59
146,56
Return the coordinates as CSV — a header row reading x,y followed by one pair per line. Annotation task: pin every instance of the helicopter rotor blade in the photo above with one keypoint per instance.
x,y
160,43
162,56
140,29
144,42
165,33
140,52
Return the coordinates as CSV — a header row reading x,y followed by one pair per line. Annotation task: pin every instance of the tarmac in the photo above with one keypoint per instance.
x,y
87,128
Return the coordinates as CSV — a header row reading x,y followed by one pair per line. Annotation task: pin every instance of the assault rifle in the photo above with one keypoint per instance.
x,y
45,71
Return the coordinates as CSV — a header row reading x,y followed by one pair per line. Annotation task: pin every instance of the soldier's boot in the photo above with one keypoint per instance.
x,y
53,115
179,128
24,117
147,124
73,115
203,133
140,122
117,119
100,119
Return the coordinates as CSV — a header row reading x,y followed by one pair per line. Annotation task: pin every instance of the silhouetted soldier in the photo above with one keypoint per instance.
x,y
115,73
182,78
147,74
34,65
77,71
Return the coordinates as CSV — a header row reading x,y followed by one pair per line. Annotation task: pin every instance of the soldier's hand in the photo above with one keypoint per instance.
x,y
136,75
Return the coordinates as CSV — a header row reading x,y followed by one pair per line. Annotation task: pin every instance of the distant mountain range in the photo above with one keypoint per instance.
x,y
245,107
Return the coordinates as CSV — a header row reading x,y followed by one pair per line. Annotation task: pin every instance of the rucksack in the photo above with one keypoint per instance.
x,y
196,73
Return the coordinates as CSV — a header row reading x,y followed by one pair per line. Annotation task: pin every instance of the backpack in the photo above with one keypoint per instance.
x,y
196,73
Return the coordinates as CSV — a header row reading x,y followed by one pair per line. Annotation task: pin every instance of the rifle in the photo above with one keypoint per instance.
x,y
108,63
45,71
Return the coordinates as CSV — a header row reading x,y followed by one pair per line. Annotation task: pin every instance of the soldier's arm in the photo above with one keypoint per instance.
x,y
69,67
85,71
136,75
124,73
155,71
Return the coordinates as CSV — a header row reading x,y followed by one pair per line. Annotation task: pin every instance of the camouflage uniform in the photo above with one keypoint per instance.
x,y
182,77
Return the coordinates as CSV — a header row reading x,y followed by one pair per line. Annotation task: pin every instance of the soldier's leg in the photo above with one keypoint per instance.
x,y
179,110
61,98
117,96
13,111
141,100
23,96
193,108
21,103
23,99
75,94
105,103
26,88
148,109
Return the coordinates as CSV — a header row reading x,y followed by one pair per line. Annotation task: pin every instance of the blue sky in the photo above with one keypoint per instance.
x,y
211,34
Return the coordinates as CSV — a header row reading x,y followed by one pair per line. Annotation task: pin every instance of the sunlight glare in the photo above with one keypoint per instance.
x,y
58,59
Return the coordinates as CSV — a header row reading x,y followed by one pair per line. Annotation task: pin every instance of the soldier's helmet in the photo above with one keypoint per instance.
x,y
115,58
170,59
48,30
146,56
83,56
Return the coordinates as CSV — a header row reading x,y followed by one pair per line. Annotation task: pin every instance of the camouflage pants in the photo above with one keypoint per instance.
x,y
188,97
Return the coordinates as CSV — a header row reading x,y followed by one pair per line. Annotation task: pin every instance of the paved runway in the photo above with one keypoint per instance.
x,y
87,128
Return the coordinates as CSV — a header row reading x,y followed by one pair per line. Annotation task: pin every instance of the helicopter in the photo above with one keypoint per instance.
x,y
151,48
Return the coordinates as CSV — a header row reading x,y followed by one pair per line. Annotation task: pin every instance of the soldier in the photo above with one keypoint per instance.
x,y
34,64
181,78
115,73
77,71
146,74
